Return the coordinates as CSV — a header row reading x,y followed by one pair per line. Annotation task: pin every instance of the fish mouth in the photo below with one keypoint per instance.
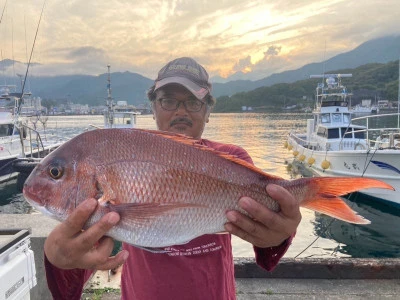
x,y
44,211
30,198
29,195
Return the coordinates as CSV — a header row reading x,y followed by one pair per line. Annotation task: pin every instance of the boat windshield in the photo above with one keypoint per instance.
x,y
325,118
336,118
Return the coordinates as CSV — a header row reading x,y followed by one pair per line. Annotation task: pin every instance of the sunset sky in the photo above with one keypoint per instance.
x,y
227,36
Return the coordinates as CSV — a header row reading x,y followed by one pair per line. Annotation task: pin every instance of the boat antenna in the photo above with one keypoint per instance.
x,y
398,100
12,49
323,69
26,50
2,14
109,97
30,58
1,20
110,100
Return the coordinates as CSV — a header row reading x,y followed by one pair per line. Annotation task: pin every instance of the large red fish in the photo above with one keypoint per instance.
x,y
167,189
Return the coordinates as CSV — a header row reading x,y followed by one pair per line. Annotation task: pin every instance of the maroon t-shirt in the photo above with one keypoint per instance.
x,y
200,269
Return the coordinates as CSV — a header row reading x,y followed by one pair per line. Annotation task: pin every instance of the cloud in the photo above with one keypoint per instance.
x,y
243,64
255,36
272,51
269,63
85,52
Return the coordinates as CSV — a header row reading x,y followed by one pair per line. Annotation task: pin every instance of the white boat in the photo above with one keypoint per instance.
x,y
119,115
335,144
10,145
18,141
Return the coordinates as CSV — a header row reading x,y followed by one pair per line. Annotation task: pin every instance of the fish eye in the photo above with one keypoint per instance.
x,y
55,172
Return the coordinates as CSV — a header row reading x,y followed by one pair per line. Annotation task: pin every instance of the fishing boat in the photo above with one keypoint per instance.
x,y
335,144
120,114
18,141
10,145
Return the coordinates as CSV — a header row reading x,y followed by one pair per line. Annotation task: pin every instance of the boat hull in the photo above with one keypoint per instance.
x,y
378,164
6,169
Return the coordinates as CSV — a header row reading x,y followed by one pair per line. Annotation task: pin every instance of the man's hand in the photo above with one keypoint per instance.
x,y
266,228
69,247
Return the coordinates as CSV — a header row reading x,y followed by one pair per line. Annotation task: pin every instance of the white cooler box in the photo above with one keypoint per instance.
x,y
17,265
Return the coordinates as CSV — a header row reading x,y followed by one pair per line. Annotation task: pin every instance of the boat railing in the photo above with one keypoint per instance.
x,y
33,137
319,145
303,141
372,139
38,141
378,116
371,134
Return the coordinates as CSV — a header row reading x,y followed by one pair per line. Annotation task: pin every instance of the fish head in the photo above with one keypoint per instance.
x,y
61,181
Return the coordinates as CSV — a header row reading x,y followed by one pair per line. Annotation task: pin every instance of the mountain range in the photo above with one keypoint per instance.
x,y
132,87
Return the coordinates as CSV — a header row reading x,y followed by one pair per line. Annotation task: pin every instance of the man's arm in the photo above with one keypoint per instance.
x,y
268,258
65,284
71,253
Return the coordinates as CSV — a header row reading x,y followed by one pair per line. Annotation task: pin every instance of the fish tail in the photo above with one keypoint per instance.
x,y
324,192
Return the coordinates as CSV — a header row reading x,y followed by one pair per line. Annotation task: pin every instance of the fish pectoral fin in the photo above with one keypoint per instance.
x,y
143,211
104,194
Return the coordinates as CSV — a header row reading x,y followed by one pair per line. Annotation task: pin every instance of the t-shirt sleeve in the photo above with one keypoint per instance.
x,y
65,284
268,258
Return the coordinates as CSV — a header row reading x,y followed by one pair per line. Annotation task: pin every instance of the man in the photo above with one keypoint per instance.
x,y
201,269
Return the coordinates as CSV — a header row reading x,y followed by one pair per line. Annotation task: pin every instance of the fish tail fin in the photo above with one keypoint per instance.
x,y
325,191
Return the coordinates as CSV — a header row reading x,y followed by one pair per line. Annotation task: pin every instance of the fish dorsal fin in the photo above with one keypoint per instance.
x,y
183,139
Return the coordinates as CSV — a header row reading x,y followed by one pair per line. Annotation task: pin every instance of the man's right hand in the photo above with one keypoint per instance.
x,y
69,247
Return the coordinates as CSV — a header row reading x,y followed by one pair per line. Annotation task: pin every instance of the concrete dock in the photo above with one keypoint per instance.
x,y
306,278
293,279
301,289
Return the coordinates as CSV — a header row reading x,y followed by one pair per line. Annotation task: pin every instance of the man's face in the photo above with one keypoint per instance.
x,y
179,120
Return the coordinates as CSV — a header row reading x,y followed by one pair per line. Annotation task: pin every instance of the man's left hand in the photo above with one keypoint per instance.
x,y
266,228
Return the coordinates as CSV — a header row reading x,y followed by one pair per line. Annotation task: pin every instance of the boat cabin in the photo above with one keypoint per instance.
x,y
331,129
351,132
7,125
120,119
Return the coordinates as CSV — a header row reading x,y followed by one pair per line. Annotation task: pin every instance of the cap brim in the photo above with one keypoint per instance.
x,y
198,91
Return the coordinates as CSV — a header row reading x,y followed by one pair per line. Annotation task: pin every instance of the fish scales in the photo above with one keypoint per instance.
x,y
167,189
163,184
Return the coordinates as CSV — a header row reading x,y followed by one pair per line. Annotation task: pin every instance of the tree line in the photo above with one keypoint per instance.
x,y
370,81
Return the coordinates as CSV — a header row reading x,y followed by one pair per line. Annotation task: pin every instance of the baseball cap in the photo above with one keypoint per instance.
x,y
186,72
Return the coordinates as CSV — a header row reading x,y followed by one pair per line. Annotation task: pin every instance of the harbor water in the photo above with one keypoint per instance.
x,y
263,136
